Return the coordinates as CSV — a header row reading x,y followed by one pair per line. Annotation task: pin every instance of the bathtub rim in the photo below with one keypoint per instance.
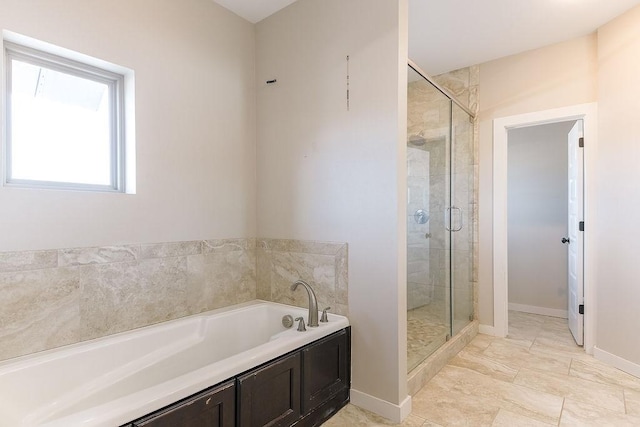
x,y
68,348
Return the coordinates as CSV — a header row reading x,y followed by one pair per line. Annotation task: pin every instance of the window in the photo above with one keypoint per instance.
x,y
65,123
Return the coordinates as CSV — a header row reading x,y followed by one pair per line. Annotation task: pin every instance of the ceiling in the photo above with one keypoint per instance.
x,y
254,10
445,35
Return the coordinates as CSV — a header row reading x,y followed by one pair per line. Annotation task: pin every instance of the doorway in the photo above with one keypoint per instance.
x,y
587,114
544,243
537,194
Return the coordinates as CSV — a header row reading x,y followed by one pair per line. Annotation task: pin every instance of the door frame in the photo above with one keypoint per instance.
x,y
587,113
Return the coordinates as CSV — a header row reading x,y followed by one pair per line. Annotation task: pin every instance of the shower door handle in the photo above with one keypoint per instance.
x,y
449,219
459,221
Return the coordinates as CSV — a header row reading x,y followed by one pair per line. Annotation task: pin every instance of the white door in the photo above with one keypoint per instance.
x,y
575,241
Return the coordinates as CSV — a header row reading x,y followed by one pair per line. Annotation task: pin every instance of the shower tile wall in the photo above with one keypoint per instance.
x,y
419,286
52,298
428,122
474,82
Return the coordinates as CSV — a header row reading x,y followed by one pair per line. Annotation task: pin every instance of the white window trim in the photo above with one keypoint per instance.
x,y
120,81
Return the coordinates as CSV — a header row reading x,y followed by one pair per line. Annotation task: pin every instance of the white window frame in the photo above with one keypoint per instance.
x,y
116,87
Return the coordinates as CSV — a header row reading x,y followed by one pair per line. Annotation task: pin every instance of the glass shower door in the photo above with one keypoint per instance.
x,y
462,218
440,218
428,241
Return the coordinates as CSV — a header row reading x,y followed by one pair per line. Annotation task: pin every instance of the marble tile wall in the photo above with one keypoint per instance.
x,y
52,298
420,288
428,133
56,297
323,264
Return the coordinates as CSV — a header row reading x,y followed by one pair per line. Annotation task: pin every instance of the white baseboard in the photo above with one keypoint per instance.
x,y
391,411
487,330
617,362
544,311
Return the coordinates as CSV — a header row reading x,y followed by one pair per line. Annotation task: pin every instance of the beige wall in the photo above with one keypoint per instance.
x,y
555,76
195,120
323,171
328,173
537,220
618,190
602,68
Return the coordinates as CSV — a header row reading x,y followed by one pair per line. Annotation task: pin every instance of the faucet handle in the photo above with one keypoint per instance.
x,y
324,318
301,327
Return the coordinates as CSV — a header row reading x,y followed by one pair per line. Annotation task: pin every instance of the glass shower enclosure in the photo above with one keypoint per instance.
x,y
440,206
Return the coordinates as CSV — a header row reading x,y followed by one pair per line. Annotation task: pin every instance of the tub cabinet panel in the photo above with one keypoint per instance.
x,y
212,408
270,396
303,389
325,370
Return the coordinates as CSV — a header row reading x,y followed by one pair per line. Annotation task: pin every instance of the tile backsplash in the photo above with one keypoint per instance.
x,y
321,264
56,297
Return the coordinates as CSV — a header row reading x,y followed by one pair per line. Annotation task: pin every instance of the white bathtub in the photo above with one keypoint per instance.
x,y
112,380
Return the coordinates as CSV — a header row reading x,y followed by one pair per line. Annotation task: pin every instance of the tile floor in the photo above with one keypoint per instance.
x,y
535,377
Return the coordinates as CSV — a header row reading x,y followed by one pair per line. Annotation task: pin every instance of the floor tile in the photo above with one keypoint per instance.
x,y
561,341
559,337
607,396
524,328
594,370
450,406
480,342
548,347
537,377
519,340
509,419
519,335
520,319
351,415
516,356
484,365
585,415
632,402
559,322
555,324
490,392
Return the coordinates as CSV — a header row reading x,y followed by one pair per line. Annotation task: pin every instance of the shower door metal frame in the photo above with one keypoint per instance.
x,y
442,90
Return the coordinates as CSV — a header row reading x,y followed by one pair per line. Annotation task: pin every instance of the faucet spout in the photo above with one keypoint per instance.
x,y
312,320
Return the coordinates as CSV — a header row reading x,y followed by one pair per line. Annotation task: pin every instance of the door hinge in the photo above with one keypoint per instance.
x,y
581,226
581,309
581,142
